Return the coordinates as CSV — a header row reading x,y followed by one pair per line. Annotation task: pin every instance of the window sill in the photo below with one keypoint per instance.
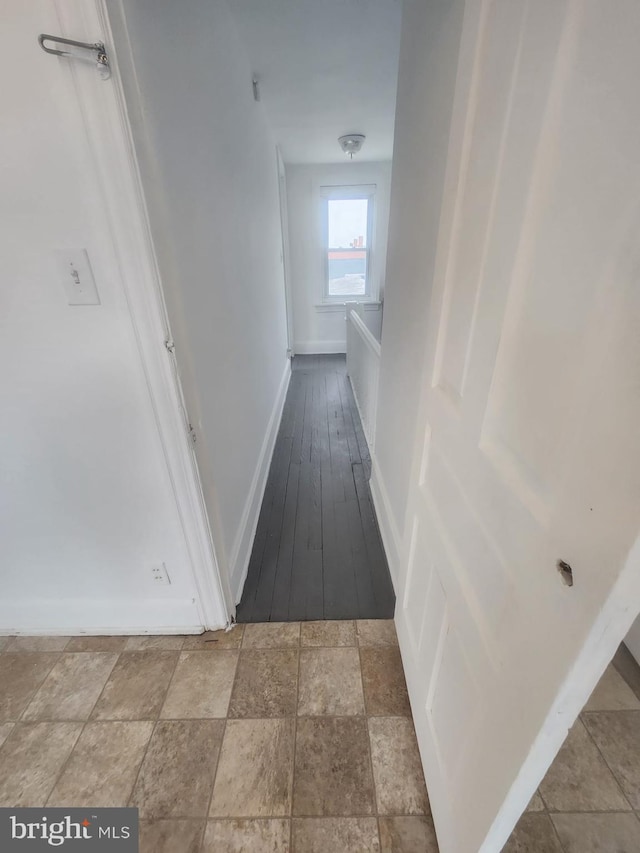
x,y
322,307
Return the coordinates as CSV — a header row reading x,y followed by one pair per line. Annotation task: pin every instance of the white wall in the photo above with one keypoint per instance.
x,y
209,167
363,369
324,330
427,74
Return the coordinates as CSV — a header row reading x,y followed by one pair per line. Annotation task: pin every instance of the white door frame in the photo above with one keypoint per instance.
x,y
108,129
284,227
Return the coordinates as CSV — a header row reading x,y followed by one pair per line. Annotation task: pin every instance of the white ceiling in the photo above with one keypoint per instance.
x,y
326,68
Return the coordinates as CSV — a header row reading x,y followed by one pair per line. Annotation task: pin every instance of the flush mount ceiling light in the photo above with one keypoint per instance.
x,y
351,143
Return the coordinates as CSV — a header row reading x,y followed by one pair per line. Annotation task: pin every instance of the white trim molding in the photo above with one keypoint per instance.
x,y
391,539
331,307
105,616
241,552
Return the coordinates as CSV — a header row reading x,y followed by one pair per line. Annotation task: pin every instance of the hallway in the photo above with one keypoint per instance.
x,y
317,552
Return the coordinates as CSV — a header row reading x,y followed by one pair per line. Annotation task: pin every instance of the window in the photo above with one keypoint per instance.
x,y
348,228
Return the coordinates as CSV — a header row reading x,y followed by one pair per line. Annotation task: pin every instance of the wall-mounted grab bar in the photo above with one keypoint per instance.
x,y
98,49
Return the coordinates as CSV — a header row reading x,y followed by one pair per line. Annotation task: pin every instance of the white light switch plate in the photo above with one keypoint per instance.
x,y
76,277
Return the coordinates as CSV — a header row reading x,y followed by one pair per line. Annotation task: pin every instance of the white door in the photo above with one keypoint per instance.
x,y
90,524
528,450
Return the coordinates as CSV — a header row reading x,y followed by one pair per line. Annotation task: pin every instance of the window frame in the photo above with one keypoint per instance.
x,y
348,192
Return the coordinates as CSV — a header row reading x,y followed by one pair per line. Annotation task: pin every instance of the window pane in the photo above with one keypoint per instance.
x,y
347,246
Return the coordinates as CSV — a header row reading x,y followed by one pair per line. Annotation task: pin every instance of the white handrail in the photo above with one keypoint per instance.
x,y
365,332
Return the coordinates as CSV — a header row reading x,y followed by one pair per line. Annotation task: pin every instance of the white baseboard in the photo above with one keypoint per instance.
x,y
389,532
362,420
241,552
77,617
319,347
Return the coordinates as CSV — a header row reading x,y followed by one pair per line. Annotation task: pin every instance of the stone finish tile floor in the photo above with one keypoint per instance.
x,y
269,738
588,801
280,738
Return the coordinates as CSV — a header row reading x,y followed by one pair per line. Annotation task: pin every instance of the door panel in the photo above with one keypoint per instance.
x,y
524,452
489,107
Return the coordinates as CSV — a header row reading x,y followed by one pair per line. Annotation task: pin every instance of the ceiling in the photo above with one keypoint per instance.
x,y
326,68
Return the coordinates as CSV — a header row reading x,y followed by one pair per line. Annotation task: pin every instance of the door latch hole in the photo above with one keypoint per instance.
x,y
566,572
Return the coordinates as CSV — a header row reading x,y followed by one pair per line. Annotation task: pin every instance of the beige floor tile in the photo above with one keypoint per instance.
x,y
4,642
177,773
385,689
171,836
255,769
72,687
96,644
32,758
612,694
330,633
579,780
617,735
596,833
376,632
397,768
201,685
271,635
37,644
323,834
332,769
21,675
147,643
247,836
5,731
407,835
266,683
212,640
103,765
136,687
330,683
533,834
535,803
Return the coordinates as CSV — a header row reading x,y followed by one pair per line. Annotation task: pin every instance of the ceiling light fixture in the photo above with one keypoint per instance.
x,y
351,143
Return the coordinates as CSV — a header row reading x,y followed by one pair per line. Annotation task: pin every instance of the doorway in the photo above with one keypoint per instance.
x,y
103,517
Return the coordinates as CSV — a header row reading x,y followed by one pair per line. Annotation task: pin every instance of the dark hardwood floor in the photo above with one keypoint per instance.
x,y
317,552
